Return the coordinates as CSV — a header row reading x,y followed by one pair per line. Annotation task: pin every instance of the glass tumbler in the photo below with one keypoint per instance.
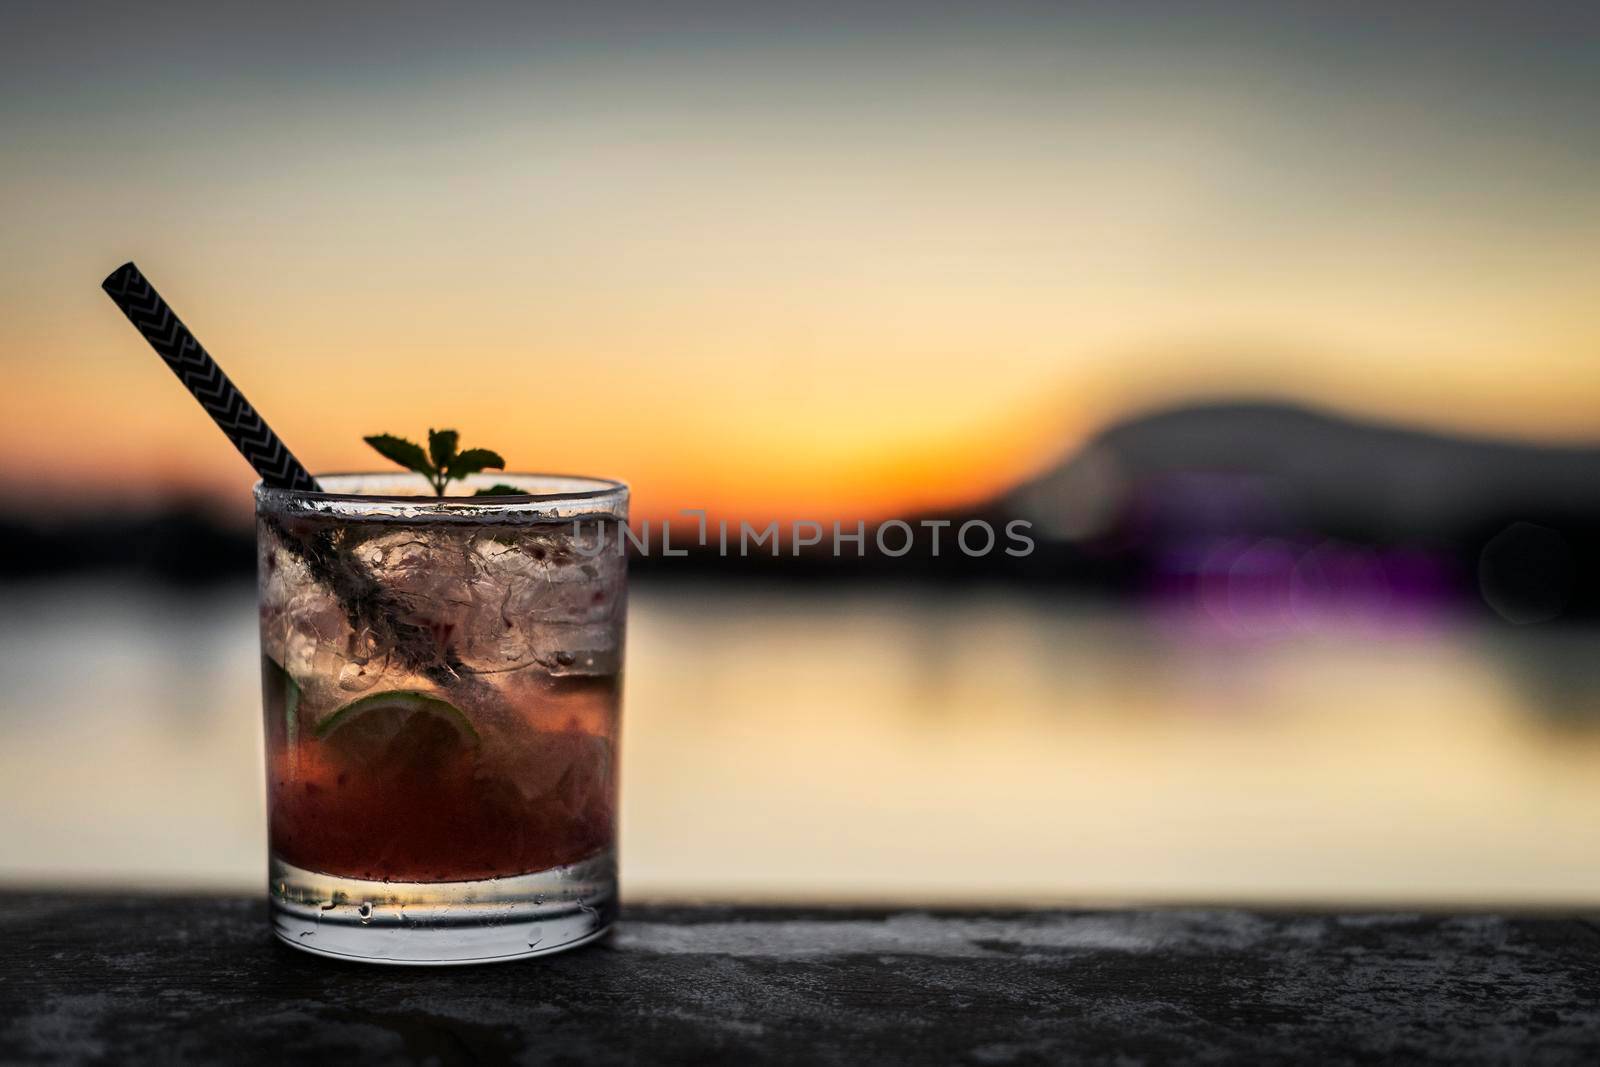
x,y
441,681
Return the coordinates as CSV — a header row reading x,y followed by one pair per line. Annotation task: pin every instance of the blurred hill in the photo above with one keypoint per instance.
x,y
1249,465
1171,499
1203,494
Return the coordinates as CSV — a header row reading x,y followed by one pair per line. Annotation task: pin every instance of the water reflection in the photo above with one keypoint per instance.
x,y
865,744
1554,672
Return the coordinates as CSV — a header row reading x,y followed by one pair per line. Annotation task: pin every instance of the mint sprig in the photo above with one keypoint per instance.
x,y
441,463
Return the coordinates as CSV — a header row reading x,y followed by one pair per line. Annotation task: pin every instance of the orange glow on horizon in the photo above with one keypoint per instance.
x,y
701,267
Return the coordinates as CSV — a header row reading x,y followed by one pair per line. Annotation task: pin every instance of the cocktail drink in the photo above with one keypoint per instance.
x,y
441,686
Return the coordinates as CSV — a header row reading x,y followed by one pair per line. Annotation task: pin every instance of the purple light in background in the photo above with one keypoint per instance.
x,y
1424,589
1264,588
1338,584
1246,587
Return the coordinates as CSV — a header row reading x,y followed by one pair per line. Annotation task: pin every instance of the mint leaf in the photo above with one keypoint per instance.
x,y
474,460
406,453
441,463
442,447
501,489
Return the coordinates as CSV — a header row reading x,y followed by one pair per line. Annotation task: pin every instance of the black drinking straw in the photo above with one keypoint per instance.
x,y
131,291
369,605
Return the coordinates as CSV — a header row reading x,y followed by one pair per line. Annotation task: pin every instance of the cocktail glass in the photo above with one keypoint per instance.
x,y
441,683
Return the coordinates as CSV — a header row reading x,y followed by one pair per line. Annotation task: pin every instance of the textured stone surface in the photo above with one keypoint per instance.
x,y
102,979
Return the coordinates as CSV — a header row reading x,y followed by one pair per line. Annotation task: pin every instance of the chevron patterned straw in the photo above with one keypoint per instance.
x,y
150,315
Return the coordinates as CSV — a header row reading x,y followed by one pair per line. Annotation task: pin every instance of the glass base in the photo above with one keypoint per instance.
x,y
444,922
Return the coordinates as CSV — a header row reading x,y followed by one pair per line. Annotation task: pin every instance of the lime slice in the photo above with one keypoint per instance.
x,y
403,725
282,693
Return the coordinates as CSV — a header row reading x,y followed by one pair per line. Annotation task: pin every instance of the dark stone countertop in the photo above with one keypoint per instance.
x,y
184,979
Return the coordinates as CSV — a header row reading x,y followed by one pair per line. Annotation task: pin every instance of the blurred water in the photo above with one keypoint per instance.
x,y
867,745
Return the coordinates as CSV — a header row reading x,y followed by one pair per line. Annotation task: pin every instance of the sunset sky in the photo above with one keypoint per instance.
x,y
817,263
